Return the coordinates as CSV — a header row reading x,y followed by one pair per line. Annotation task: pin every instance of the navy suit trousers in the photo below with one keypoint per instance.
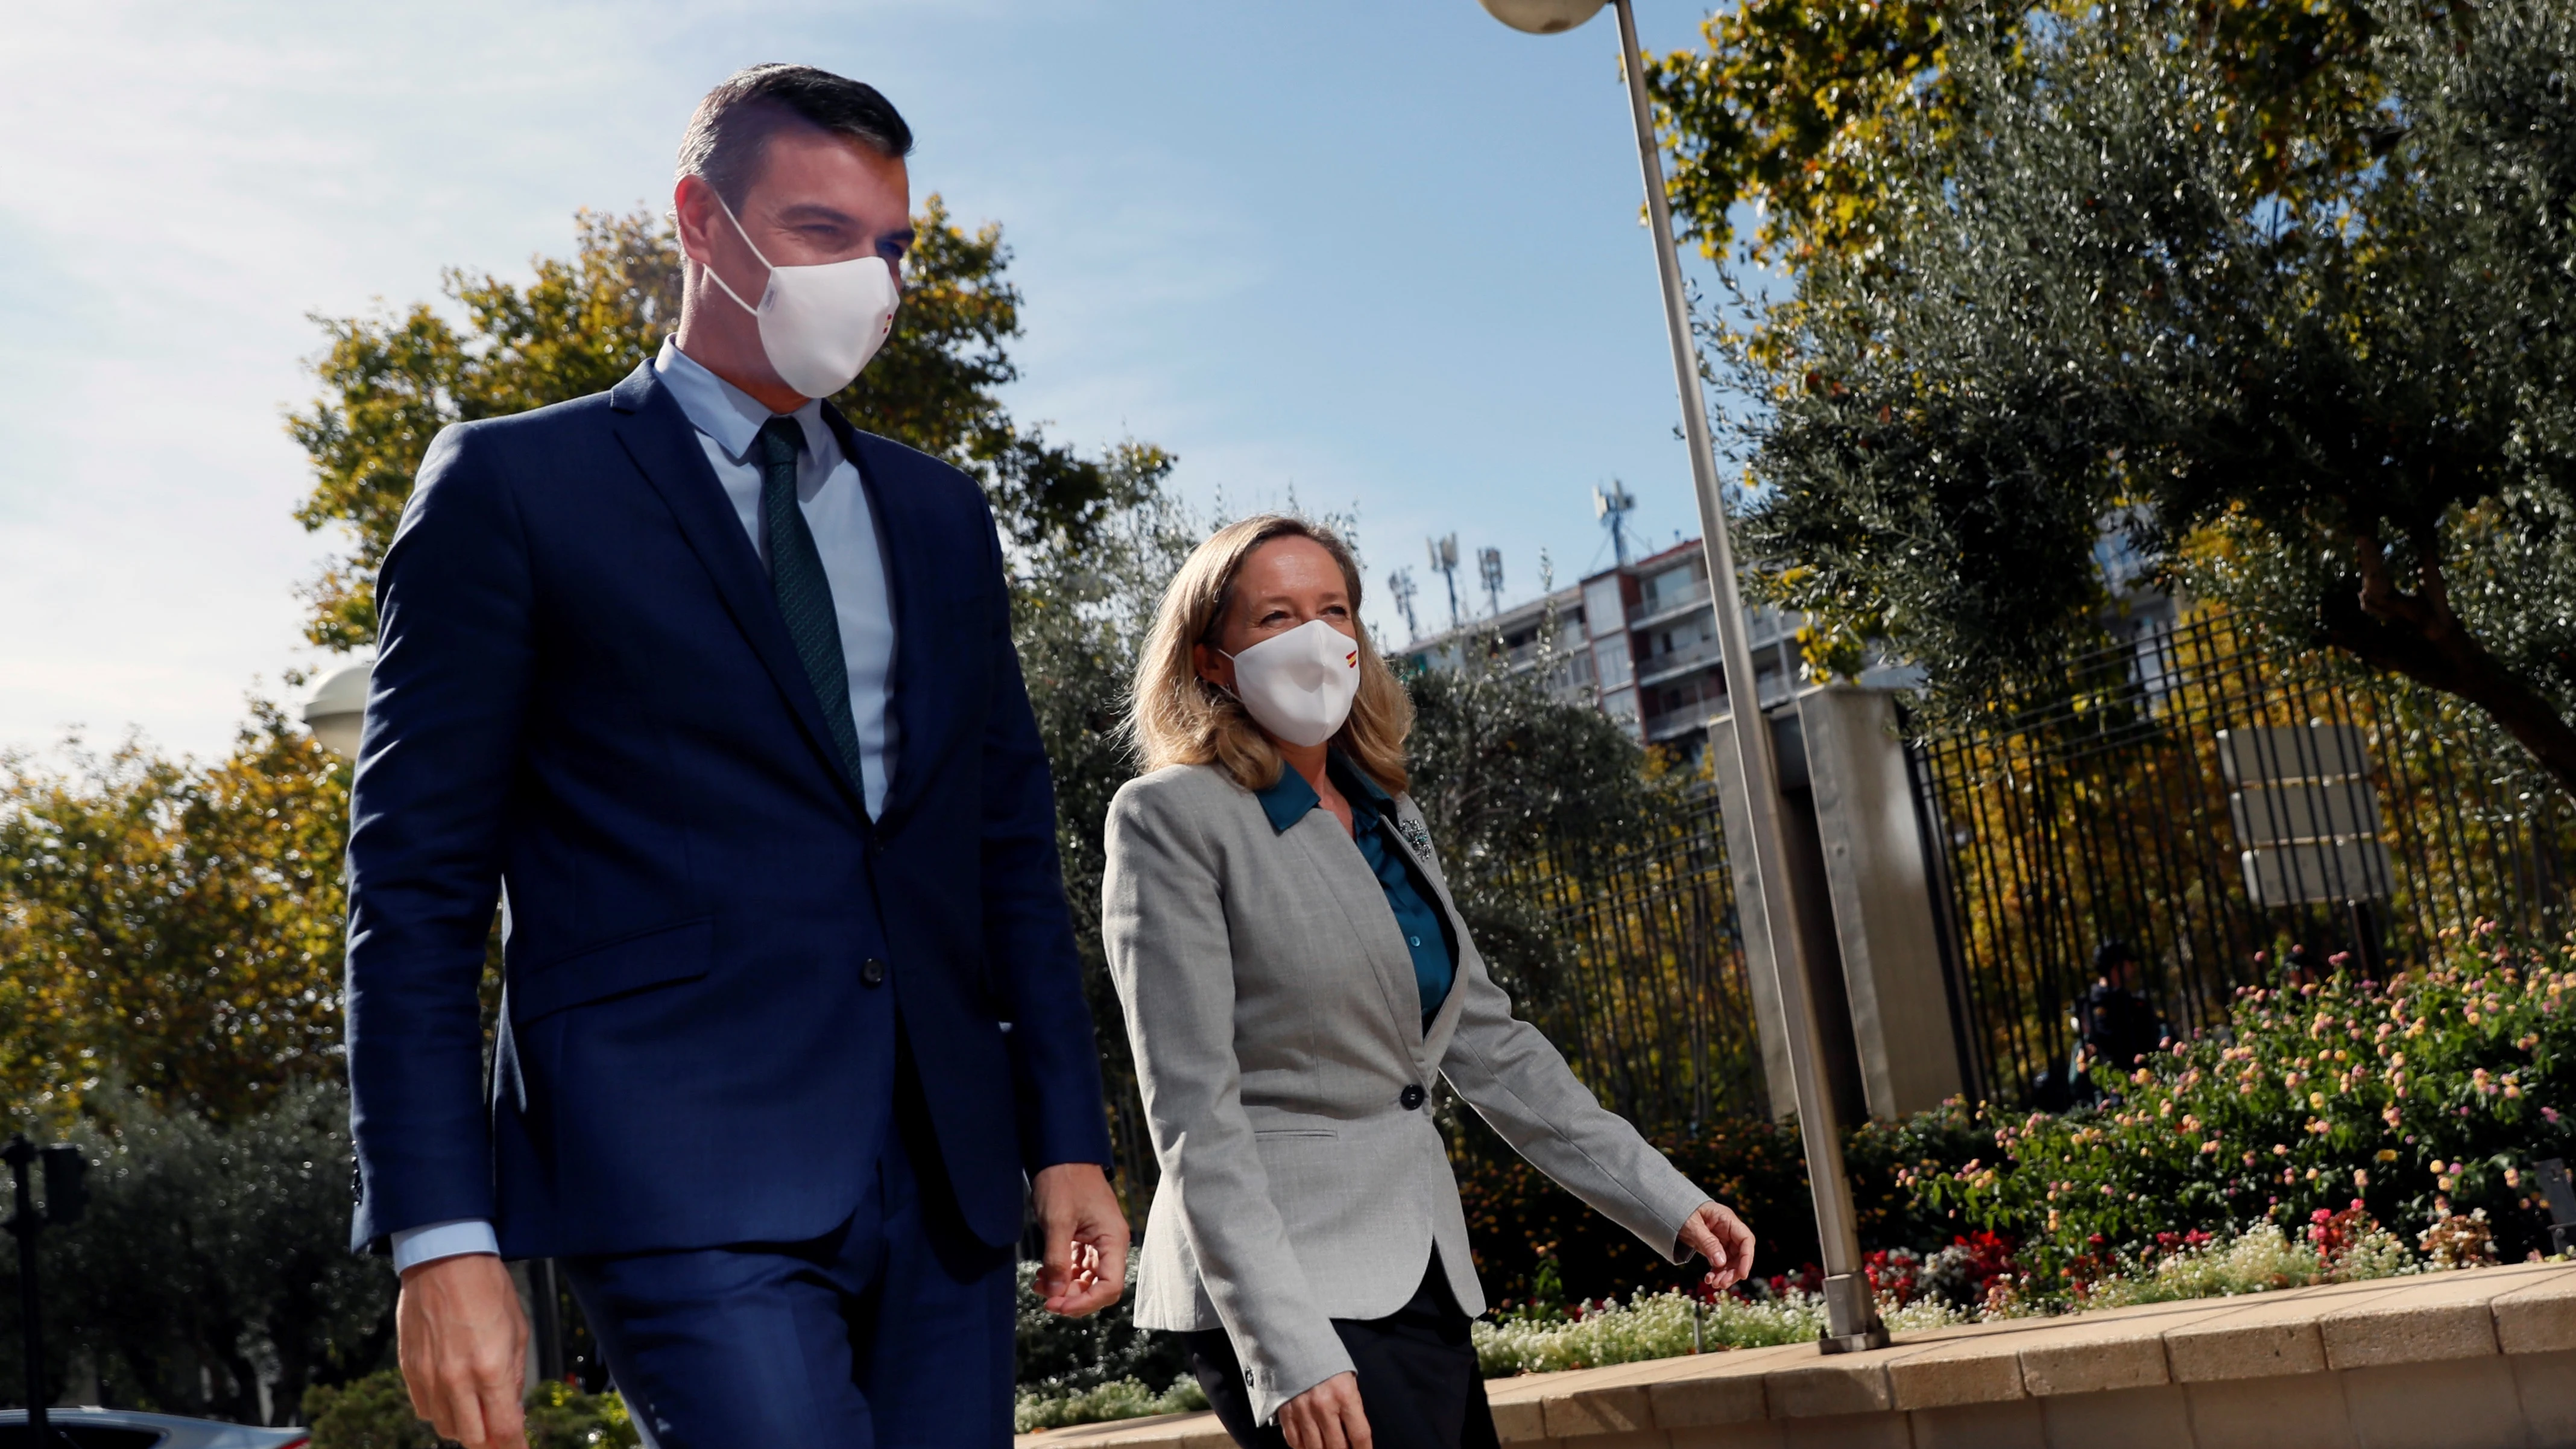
x,y
894,1330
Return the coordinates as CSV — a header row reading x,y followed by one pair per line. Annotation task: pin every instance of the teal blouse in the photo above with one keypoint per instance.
x,y
1427,932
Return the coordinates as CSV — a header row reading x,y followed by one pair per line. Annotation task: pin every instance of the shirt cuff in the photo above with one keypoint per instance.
x,y
433,1241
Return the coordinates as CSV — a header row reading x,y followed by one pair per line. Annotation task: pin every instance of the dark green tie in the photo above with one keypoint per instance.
x,y
804,594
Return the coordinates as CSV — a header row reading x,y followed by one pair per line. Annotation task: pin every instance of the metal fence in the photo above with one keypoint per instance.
x,y
1651,1005
2107,815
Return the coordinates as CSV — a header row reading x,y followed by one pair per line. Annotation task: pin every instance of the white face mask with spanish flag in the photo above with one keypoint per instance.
x,y
1299,685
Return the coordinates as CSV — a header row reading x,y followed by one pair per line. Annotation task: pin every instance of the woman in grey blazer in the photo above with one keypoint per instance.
x,y
1295,977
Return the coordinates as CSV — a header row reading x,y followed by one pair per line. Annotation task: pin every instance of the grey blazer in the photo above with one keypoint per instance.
x,y
1277,1027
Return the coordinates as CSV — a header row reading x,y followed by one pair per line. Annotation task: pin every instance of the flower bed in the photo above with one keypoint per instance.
x,y
2332,1131
2336,1248
2424,1099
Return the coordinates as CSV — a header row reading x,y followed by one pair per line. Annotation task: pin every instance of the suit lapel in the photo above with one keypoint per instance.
x,y
1347,877
665,449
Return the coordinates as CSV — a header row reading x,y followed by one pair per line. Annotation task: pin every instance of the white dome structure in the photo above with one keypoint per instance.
x,y
337,710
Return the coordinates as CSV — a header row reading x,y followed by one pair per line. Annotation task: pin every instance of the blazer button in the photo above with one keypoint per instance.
x,y
1412,1096
872,972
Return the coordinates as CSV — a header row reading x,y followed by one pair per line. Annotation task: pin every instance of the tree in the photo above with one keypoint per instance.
x,y
171,929
1506,773
390,383
212,1273
1790,108
1079,618
2346,408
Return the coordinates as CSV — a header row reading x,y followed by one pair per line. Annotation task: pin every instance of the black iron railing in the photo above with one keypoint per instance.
x,y
1651,1005
2105,814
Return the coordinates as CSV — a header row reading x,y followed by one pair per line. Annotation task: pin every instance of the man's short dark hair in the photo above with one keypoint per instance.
x,y
728,138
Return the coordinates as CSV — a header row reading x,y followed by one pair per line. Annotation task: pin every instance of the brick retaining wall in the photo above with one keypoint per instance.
x,y
2482,1359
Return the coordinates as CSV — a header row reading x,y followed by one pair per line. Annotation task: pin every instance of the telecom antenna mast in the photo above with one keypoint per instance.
x,y
1400,584
1612,507
1444,561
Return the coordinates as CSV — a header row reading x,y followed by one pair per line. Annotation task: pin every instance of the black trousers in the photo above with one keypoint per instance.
x,y
1417,1372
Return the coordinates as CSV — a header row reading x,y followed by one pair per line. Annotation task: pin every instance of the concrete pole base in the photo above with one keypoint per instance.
x,y
1851,1316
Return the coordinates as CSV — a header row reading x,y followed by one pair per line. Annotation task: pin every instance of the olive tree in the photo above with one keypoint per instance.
x,y
2338,396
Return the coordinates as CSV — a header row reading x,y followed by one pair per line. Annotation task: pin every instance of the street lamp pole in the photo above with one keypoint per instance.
x,y
1851,1311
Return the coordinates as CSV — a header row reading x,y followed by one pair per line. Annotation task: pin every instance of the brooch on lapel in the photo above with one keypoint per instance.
x,y
1414,835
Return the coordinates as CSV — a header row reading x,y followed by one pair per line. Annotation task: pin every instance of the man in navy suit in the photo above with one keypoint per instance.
x,y
714,697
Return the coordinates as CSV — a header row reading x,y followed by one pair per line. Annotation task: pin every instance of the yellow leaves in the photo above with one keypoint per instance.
x,y
166,927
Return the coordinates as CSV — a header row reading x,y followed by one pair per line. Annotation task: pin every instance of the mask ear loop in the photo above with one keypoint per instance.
x,y
718,277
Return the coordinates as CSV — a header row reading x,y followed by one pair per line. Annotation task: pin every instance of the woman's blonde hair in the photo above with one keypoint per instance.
x,y
1181,719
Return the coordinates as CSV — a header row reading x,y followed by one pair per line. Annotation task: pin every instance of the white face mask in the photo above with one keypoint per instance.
x,y
819,324
1299,685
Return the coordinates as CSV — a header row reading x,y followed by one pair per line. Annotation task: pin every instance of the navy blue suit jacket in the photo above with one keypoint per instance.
x,y
586,706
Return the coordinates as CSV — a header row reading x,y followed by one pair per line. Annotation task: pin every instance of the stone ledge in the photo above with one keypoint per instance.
x,y
2459,1360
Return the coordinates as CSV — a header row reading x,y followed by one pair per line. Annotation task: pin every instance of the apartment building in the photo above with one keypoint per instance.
x,y
1640,640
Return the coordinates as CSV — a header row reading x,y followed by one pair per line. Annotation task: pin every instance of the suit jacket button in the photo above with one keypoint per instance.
x,y
872,972
1412,1096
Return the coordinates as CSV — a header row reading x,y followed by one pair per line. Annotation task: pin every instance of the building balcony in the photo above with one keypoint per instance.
x,y
1663,608
1664,667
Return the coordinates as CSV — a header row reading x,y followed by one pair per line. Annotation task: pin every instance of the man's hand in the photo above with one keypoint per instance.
x,y
1085,1268
464,1346
1717,1234
1327,1416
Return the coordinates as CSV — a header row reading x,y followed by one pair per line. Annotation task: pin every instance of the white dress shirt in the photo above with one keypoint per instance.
x,y
845,536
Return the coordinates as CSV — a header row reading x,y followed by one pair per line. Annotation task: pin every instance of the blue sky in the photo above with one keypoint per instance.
x,y
1383,256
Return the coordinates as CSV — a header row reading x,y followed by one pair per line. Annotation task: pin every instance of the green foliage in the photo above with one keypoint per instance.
x,y
375,1413
172,928
1084,1370
1119,1399
2104,305
1790,107
1525,1227
1062,1358
2424,1099
391,382
561,1416
1080,612
1500,768
1669,1324
213,1259
2257,1261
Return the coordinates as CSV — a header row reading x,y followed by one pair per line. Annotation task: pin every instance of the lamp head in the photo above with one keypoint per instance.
x,y
337,711
1541,17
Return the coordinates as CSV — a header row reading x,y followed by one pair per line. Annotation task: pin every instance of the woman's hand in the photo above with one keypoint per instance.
x,y
1717,1234
1328,1415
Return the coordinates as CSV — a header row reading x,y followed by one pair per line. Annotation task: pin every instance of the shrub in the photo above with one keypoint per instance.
x,y
561,1416
2424,1099
1117,1399
1521,1224
1669,1324
375,1413
2257,1262
1062,1358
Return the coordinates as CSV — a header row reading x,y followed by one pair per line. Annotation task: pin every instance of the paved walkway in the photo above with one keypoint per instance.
x,y
2482,1359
